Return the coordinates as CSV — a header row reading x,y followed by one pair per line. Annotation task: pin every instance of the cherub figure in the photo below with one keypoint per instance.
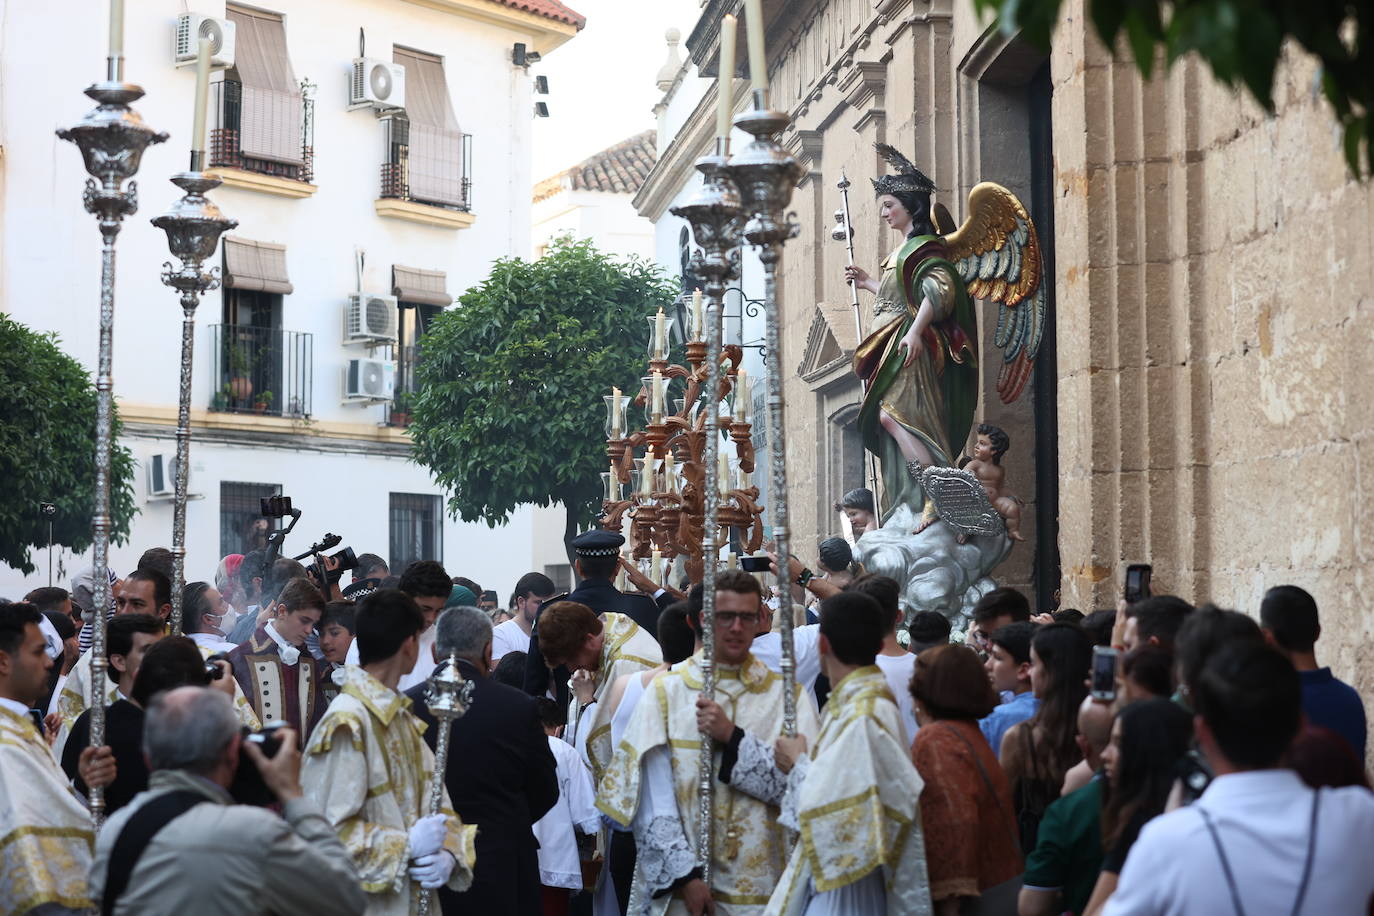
x,y
986,465
857,505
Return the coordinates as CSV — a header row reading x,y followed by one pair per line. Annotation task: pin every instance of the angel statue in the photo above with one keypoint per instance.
x,y
919,361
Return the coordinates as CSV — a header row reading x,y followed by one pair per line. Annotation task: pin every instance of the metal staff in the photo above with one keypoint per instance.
x,y
713,213
845,229
193,227
766,176
448,696
112,138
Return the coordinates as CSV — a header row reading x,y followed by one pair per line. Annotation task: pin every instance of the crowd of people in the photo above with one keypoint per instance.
x,y
278,755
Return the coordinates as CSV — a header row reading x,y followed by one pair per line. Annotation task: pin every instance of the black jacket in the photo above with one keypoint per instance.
x,y
501,776
603,597
124,737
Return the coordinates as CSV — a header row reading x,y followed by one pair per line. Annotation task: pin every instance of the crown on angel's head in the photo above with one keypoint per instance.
x,y
908,179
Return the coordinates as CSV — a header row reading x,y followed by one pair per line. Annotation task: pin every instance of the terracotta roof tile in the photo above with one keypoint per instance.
x,y
549,9
619,169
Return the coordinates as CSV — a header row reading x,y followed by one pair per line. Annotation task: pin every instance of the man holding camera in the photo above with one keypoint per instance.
x,y
162,851
274,669
369,769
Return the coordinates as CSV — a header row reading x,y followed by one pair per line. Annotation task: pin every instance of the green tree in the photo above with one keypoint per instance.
x,y
1241,41
509,406
47,446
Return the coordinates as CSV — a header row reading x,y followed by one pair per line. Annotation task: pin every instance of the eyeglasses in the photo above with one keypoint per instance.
x,y
727,619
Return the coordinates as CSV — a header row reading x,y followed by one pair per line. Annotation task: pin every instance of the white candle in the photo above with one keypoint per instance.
x,y
742,479
646,475
725,79
660,339
669,472
758,63
620,577
734,561
615,412
698,317
656,404
741,394
723,474
116,28
656,567
202,95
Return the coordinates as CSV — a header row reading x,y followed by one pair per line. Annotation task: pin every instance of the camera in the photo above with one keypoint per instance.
x,y
274,506
213,671
1104,673
755,564
323,575
248,787
1137,582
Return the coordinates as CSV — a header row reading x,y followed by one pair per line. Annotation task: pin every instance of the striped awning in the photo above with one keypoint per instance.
x,y
256,266
414,284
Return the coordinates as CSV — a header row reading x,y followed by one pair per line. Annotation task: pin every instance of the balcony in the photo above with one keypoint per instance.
x,y
260,371
427,177
275,151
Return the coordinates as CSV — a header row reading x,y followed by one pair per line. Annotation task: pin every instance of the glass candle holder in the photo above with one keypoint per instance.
x,y
611,488
616,406
660,335
655,401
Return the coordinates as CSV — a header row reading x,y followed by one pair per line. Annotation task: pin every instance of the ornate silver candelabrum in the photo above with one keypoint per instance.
x,y
112,139
714,213
766,176
193,226
448,695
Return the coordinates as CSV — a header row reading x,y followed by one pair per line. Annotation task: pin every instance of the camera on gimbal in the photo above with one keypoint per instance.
x,y
319,568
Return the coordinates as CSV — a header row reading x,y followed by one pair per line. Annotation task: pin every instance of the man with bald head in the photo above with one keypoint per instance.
x,y
1063,867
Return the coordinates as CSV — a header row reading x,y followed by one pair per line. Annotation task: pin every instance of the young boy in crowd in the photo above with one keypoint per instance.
x,y
560,870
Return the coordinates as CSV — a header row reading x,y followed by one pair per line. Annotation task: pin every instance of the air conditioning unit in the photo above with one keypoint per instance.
x,y
377,84
369,318
369,380
191,27
162,475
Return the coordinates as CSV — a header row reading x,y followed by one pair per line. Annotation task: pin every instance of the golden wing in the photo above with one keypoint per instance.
x,y
997,253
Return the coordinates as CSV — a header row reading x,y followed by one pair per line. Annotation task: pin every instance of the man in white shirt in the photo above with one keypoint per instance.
x,y
1258,840
531,591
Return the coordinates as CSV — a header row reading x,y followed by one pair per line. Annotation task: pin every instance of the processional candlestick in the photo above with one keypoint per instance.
x,y
193,226
766,176
112,138
448,695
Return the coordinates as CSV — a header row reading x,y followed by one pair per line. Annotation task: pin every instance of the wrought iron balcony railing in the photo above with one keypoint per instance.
x,y
260,370
426,165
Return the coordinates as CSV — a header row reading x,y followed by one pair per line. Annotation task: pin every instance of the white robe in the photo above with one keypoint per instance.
x,y
46,833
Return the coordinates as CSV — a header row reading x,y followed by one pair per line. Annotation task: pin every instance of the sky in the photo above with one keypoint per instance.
x,y
602,83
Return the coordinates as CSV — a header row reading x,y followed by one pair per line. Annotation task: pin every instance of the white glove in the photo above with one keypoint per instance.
x,y
432,871
427,836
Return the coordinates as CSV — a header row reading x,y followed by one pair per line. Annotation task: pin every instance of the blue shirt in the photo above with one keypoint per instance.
x,y
1335,705
1018,709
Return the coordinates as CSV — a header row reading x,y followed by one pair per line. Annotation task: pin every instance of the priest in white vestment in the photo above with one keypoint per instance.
x,y
652,781
46,833
853,800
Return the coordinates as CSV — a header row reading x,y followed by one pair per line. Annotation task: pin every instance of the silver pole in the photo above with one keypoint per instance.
x,y
766,176
713,215
112,139
448,696
193,226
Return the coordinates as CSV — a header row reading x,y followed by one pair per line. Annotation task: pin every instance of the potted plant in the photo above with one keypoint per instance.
x,y
262,402
220,400
240,385
400,409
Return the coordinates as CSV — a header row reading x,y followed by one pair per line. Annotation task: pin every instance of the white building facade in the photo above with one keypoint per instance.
x,y
407,206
